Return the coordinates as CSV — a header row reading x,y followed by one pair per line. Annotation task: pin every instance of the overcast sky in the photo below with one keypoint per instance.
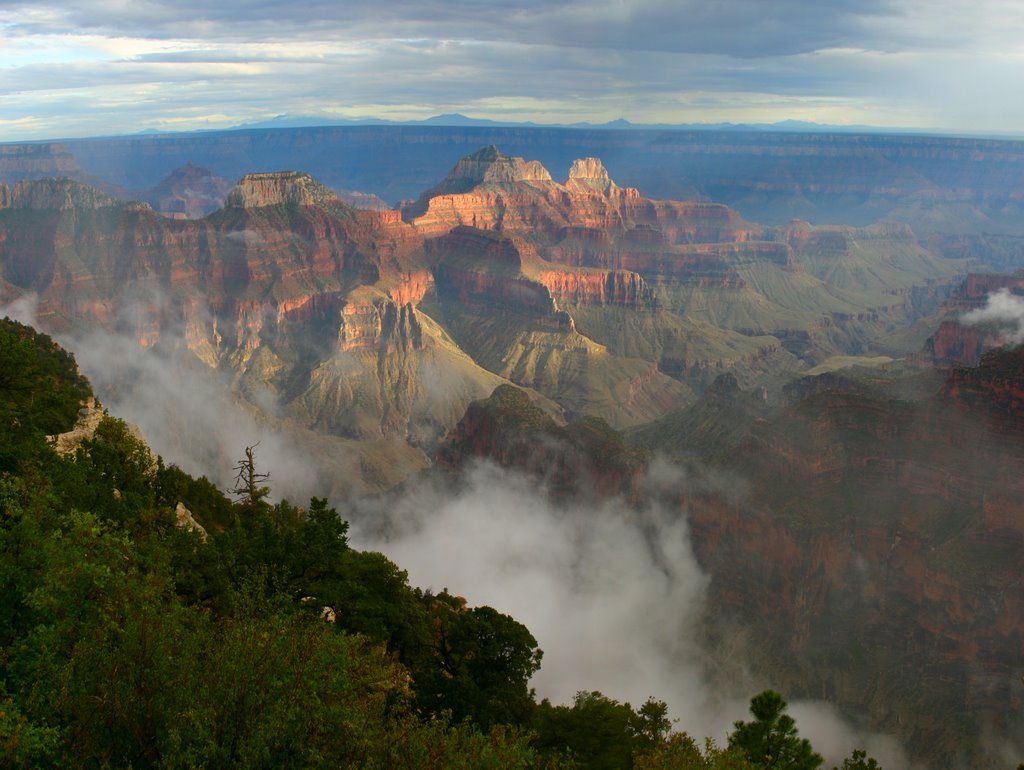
x,y
87,67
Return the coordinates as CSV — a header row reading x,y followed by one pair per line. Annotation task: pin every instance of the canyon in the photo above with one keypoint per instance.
x,y
865,543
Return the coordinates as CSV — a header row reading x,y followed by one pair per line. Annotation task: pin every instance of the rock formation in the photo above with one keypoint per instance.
x,y
37,161
89,417
586,292
590,174
184,519
278,189
60,194
955,342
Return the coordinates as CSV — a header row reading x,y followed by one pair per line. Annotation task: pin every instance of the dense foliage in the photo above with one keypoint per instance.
x,y
771,738
40,390
263,641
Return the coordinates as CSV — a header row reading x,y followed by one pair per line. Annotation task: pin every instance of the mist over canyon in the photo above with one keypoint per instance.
x,y
697,454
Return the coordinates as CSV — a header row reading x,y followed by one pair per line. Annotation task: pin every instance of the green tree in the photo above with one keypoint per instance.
x,y
859,760
680,752
652,724
482,663
597,732
40,392
22,743
771,740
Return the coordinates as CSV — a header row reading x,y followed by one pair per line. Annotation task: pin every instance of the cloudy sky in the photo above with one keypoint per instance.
x,y
87,67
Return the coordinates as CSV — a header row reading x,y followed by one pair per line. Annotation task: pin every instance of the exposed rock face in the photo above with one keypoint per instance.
x,y
864,522
36,161
285,277
519,198
623,288
184,519
820,290
289,289
284,188
485,171
958,343
490,165
362,200
954,343
378,323
499,308
89,417
485,270
590,173
55,194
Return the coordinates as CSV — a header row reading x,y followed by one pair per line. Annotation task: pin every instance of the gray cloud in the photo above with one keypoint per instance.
x,y
99,66
743,28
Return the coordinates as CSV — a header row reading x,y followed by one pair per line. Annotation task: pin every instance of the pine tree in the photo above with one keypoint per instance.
x,y
771,740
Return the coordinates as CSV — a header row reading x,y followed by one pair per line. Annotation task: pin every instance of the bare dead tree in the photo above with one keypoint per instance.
x,y
249,487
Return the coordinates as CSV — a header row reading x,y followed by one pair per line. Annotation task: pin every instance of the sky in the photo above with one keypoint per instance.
x,y
95,67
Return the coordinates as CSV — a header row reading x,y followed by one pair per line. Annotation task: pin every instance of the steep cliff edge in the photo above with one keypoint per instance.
x,y
56,194
22,162
283,188
490,190
489,298
392,372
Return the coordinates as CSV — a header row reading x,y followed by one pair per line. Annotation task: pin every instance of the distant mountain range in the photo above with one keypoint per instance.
x,y
458,120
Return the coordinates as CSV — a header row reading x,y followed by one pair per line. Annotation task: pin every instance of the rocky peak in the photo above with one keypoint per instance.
x,y
489,164
486,166
590,173
58,194
278,188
